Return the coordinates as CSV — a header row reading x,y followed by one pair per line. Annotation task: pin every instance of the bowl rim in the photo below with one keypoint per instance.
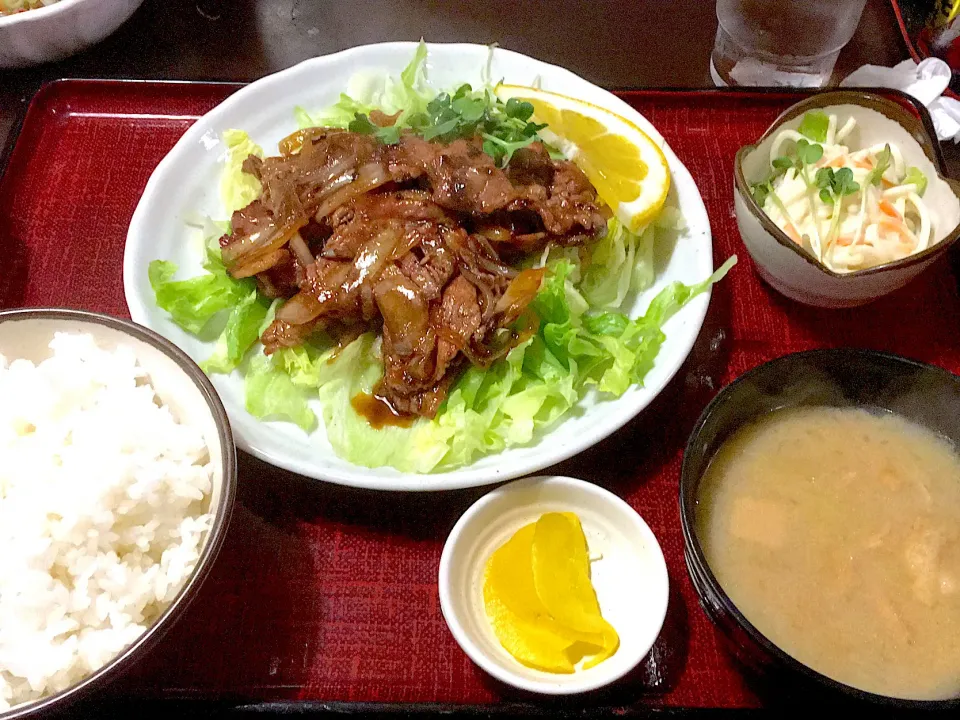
x,y
446,587
218,530
38,13
695,555
880,100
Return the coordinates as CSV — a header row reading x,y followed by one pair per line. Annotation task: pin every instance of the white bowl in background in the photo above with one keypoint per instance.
x,y
57,31
630,577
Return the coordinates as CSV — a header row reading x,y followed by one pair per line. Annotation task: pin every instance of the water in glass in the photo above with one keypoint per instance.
x,y
781,42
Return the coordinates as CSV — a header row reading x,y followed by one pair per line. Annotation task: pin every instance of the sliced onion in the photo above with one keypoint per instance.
x,y
369,177
338,183
253,249
368,305
411,238
328,179
485,258
381,119
519,293
259,264
496,233
247,251
300,309
293,142
300,249
374,254
502,341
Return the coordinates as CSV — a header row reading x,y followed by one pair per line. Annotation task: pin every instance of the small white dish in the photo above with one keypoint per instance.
x,y
186,184
630,577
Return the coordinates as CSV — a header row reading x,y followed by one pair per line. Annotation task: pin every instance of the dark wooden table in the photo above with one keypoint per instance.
x,y
614,43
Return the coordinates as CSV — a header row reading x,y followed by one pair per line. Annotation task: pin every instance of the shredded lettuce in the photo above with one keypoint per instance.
x,y
608,349
194,302
279,386
271,394
408,95
583,341
487,410
239,335
237,188
356,369
620,262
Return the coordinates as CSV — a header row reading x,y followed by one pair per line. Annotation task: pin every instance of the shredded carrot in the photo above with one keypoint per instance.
x,y
865,163
888,209
838,161
845,240
792,233
898,227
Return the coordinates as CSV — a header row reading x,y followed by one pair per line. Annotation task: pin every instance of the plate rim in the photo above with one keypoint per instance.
x,y
459,478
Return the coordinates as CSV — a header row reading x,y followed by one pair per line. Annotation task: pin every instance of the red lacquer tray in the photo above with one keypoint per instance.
x,y
328,595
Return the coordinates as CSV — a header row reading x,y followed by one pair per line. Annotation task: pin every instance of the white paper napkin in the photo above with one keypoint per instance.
x,y
925,81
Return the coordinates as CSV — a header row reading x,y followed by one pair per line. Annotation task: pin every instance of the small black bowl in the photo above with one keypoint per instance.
x,y
927,395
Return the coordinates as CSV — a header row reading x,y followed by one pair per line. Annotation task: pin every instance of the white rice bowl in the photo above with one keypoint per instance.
x,y
104,508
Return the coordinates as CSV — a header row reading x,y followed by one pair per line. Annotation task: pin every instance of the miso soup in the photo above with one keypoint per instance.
x,y
836,532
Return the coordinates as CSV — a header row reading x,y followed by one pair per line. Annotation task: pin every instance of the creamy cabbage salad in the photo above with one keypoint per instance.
x,y
853,208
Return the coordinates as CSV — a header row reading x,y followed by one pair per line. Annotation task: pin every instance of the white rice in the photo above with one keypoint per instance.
x,y
103,499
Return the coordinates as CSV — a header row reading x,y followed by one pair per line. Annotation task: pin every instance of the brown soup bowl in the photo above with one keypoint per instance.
x,y
924,394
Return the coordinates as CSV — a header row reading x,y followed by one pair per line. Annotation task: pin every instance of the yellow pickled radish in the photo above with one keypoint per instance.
x,y
529,642
509,577
522,620
561,568
561,577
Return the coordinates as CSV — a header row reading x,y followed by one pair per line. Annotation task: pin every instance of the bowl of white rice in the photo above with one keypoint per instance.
x,y
39,31
117,480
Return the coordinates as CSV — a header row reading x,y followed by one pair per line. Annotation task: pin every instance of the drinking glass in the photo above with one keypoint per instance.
x,y
781,42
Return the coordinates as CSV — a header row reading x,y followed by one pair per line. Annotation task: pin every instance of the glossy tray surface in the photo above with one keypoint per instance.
x,y
323,593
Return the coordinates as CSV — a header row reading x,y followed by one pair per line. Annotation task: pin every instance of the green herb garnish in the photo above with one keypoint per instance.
x,y
835,184
807,153
761,191
504,127
875,176
804,154
362,124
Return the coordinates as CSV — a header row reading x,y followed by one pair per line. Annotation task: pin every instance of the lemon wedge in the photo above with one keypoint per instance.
x,y
628,169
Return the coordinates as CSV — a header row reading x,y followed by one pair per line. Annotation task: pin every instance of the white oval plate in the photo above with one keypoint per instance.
x,y
187,182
